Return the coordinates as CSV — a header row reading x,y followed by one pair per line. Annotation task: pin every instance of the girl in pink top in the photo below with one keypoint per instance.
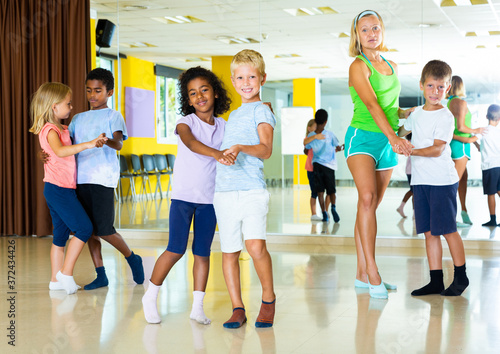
x,y
202,97
52,103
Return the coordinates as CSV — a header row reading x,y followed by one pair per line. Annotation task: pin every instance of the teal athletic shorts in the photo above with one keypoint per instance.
x,y
376,145
459,150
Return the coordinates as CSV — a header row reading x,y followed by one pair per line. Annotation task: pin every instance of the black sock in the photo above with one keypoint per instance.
x,y
435,286
460,282
492,222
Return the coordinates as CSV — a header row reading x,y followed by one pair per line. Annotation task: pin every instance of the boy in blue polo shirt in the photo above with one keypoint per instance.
x,y
435,180
324,145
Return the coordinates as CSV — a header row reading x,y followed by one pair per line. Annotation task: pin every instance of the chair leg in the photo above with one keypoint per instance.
x,y
158,185
132,189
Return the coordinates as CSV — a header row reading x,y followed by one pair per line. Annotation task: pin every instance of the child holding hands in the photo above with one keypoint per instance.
x,y
51,104
241,199
202,98
435,180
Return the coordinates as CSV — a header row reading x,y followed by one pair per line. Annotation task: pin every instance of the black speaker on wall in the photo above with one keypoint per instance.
x,y
104,33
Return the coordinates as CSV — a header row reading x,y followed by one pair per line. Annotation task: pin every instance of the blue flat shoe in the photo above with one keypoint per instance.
x,y
378,291
362,284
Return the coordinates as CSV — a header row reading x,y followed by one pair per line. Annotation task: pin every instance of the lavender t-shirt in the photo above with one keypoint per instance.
x,y
194,174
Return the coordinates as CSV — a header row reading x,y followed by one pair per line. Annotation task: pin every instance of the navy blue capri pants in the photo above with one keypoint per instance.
x,y
181,215
67,214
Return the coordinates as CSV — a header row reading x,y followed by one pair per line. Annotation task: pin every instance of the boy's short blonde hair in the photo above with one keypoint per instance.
x,y
355,43
249,57
457,87
493,112
437,69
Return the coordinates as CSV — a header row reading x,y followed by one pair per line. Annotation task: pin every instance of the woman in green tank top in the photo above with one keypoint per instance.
x,y
462,137
374,88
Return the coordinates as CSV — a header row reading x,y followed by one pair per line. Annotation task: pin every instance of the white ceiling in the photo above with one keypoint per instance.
x,y
314,38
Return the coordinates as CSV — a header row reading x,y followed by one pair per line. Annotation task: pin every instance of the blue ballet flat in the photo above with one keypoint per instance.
x,y
378,291
362,284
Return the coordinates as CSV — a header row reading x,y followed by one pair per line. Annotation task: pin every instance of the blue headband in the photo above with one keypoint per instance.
x,y
364,13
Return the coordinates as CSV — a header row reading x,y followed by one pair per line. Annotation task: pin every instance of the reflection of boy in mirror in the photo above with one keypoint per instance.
x,y
324,145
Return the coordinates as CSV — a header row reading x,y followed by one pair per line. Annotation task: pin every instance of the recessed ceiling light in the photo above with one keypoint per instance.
x,y
196,59
169,20
135,7
481,47
311,11
281,56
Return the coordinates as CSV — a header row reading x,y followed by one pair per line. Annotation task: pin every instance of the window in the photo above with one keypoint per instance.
x,y
106,63
167,108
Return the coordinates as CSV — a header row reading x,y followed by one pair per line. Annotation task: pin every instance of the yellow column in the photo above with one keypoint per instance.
x,y
220,67
92,42
305,94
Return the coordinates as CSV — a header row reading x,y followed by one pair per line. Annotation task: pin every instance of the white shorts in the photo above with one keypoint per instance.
x,y
241,212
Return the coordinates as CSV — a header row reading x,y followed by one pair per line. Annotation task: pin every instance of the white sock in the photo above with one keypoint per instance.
x,y
400,210
197,312
67,282
55,285
149,303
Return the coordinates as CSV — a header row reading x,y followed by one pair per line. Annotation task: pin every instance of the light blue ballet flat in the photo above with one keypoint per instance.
x,y
378,291
362,284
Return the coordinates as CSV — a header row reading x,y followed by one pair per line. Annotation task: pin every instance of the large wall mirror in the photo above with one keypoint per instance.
x,y
155,40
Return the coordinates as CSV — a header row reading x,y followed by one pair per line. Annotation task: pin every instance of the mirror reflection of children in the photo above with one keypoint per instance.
x,y
51,104
203,98
324,162
311,126
408,194
490,161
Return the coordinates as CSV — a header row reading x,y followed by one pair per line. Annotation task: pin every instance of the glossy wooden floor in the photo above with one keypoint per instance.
x,y
318,309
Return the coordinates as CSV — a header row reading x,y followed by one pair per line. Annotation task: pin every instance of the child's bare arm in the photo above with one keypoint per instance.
x,y
434,150
117,141
67,150
464,139
319,136
198,147
403,132
263,150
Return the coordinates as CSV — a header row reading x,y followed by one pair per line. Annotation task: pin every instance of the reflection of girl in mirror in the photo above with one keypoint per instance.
x,y
462,138
374,88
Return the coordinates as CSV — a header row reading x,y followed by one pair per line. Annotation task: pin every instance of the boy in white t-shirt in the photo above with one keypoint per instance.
x,y
490,161
435,179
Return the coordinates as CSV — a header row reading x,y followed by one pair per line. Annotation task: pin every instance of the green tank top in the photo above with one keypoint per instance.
x,y
468,120
387,89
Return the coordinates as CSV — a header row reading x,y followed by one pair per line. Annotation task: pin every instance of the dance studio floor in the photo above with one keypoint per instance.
x,y
318,310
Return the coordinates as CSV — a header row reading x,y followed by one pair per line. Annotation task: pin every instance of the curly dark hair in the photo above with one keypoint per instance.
x,y
103,75
222,102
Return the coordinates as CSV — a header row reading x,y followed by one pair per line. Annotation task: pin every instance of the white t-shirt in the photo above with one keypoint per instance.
x,y
426,126
490,148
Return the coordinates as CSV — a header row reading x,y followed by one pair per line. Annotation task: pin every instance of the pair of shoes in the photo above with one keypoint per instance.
x,y
316,218
465,217
362,284
378,291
